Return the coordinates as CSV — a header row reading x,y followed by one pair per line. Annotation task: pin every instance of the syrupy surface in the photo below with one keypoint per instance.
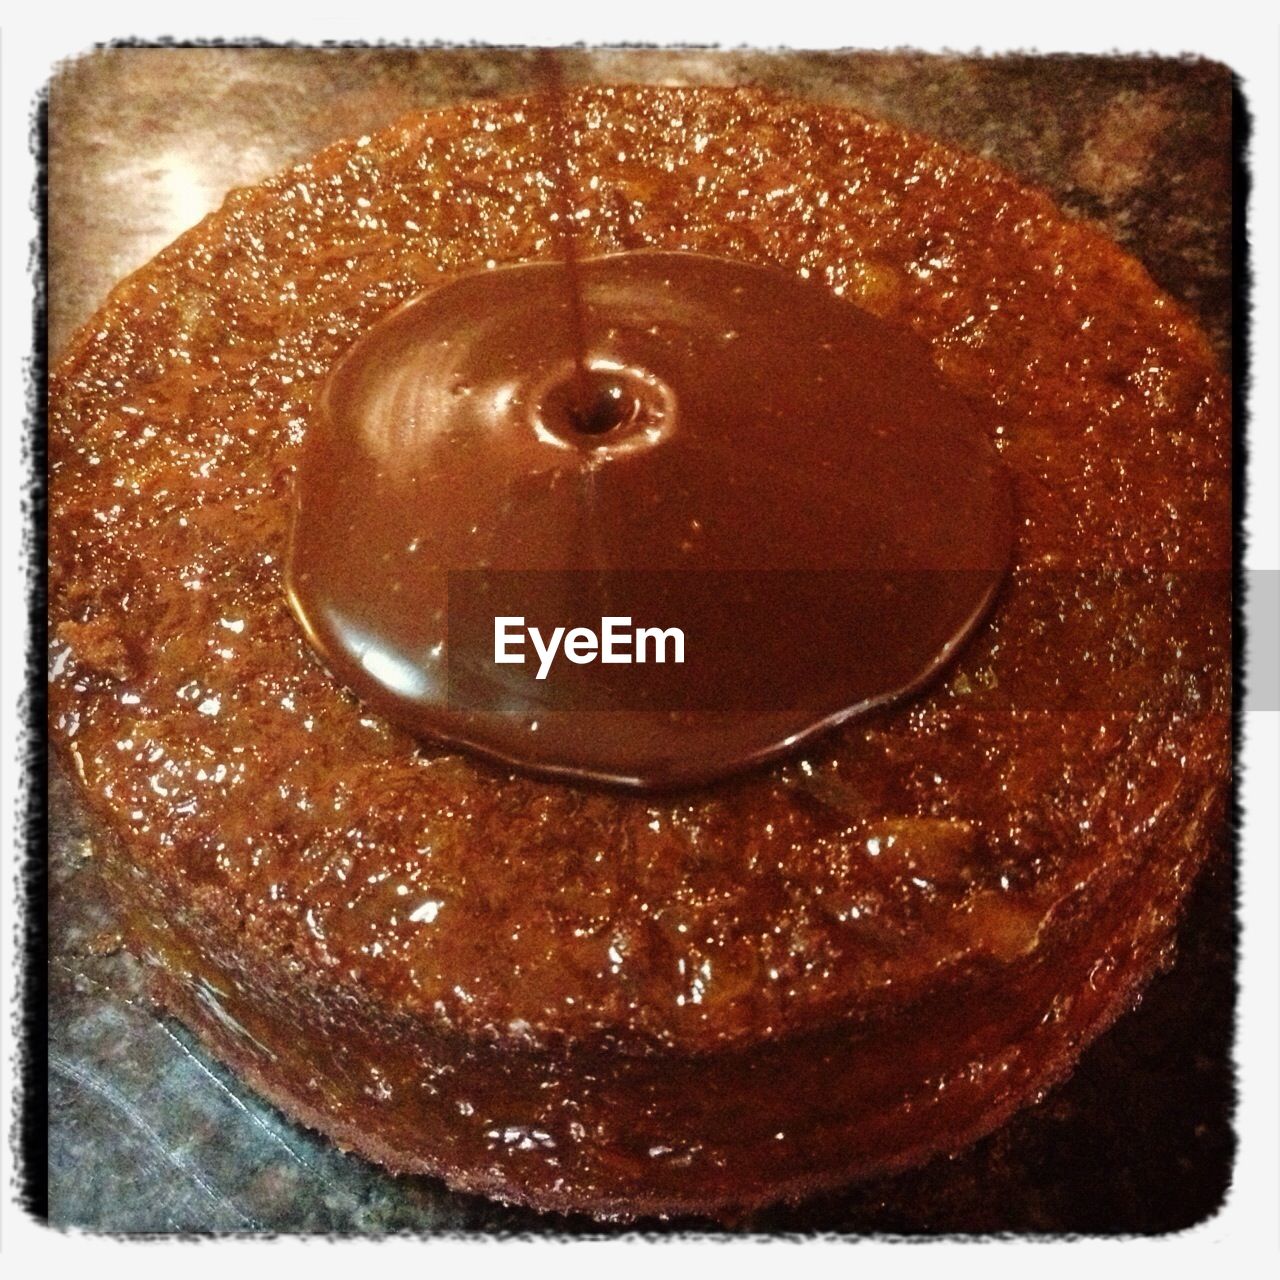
x,y
743,455
585,1127
1072,757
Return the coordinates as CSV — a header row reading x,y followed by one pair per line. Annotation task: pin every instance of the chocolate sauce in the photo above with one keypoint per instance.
x,y
754,461
558,133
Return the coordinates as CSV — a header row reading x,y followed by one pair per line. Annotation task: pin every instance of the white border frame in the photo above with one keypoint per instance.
x,y
1231,32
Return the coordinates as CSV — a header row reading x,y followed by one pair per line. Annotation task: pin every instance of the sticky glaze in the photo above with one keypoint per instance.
x,y
564,995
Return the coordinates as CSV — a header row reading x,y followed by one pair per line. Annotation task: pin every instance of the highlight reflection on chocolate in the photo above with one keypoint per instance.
x,y
759,463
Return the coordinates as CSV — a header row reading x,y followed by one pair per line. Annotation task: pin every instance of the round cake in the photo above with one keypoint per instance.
x,y
576,997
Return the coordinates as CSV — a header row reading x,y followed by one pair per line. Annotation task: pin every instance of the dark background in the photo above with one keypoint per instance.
x,y
148,1134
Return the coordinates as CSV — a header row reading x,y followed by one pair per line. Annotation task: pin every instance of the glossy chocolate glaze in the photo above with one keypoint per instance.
x,y
746,456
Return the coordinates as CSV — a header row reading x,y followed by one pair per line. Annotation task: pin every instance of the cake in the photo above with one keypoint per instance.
x,y
868,952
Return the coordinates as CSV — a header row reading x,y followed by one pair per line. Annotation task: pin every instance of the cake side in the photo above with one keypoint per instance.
x,y
584,1128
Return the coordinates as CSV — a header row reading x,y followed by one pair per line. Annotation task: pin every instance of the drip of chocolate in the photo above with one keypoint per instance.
x,y
552,76
742,456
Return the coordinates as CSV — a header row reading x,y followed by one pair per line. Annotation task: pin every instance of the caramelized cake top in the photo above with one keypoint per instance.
x,y
1084,723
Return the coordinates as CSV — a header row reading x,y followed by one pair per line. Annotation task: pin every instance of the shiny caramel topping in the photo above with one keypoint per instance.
x,y
761,505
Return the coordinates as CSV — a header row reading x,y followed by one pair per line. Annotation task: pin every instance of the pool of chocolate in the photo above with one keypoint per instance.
x,y
778,480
